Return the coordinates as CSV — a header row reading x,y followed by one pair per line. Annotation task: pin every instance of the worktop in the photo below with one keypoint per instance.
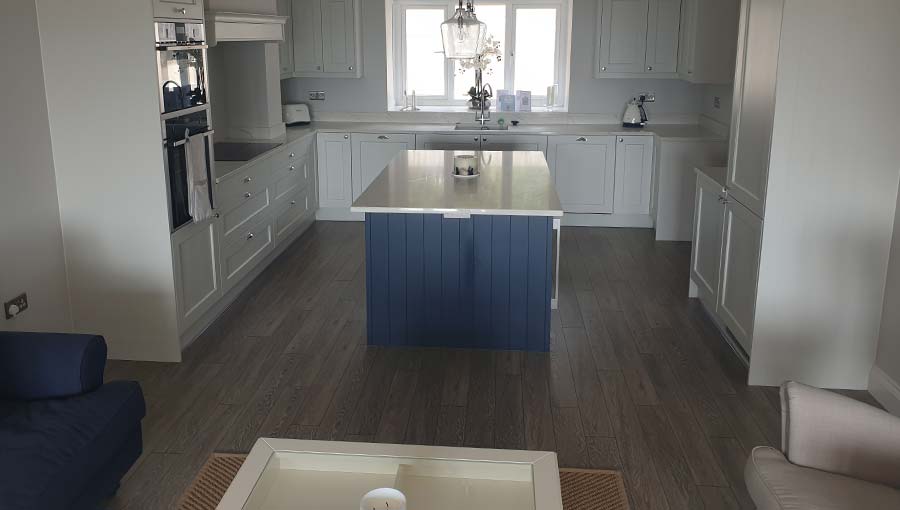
x,y
511,184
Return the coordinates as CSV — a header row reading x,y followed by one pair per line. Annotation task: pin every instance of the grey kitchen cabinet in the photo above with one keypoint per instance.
x,y
286,47
324,39
634,175
178,9
513,142
706,252
488,141
583,169
335,170
708,47
371,153
198,284
637,38
448,142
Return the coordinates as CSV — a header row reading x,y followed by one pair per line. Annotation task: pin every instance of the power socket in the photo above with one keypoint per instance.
x,y
316,95
717,102
15,306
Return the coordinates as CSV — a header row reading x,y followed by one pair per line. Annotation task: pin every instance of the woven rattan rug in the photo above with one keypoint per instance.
x,y
582,489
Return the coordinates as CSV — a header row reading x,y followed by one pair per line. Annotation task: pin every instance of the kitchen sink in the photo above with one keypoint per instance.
x,y
478,127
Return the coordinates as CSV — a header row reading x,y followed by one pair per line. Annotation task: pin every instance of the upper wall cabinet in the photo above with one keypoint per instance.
x,y
324,39
637,38
709,28
178,9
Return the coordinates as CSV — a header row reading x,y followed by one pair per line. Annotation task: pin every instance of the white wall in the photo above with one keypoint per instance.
x,y
885,379
832,194
709,93
31,248
587,94
104,122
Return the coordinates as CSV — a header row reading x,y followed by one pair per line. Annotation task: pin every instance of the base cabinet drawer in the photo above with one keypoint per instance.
x,y
294,179
292,214
234,189
246,252
236,219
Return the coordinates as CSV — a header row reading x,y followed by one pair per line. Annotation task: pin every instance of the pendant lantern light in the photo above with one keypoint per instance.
x,y
463,35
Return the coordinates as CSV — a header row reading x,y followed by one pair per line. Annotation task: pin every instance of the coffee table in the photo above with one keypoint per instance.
x,y
289,474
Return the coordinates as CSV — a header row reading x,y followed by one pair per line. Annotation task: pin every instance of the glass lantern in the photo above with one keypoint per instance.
x,y
463,35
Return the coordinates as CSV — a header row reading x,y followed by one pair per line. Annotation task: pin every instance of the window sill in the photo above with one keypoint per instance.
x,y
464,109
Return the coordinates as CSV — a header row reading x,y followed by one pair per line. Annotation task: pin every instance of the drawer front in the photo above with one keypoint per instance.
x,y
246,252
289,217
293,154
238,217
233,190
294,179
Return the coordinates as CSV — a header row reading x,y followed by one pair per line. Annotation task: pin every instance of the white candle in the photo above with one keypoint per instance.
x,y
383,499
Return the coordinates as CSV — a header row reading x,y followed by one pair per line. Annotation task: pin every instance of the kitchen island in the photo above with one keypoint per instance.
x,y
454,262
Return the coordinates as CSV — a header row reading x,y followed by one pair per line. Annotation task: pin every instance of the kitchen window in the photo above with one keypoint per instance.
x,y
533,39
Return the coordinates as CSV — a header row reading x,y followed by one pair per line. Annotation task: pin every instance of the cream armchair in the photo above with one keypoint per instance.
x,y
836,453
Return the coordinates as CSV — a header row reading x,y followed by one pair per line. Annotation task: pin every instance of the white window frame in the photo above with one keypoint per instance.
x,y
397,24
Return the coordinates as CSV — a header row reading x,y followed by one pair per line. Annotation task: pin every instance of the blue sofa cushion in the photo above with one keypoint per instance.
x,y
49,365
51,449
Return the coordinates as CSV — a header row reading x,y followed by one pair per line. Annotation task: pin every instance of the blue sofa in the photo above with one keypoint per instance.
x,y
66,439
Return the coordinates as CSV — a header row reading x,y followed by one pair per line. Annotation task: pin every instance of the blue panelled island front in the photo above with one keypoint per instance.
x,y
459,272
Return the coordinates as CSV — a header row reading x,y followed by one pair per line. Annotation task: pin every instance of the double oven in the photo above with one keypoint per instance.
x,y
183,88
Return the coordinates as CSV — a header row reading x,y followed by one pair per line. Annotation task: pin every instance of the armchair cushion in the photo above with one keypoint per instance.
x,y
830,432
49,365
776,484
55,450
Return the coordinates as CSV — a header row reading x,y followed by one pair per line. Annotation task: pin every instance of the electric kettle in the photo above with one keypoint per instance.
x,y
635,115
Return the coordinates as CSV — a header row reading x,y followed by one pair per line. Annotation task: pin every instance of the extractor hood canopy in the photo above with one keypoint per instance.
x,y
246,27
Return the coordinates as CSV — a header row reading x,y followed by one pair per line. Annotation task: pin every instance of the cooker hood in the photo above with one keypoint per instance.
x,y
243,27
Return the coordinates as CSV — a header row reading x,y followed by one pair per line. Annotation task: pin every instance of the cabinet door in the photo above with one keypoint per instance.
x,y
339,32
706,248
178,9
754,104
504,142
687,39
740,270
622,29
247,251
307,35
286,47
197,281
334,170
583,168
372,153
634,173
448,142
663,22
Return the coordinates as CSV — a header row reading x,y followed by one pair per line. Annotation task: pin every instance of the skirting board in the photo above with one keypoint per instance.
x,y
885,390
608,220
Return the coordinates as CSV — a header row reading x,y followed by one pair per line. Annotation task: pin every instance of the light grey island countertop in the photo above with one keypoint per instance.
x,y
513,183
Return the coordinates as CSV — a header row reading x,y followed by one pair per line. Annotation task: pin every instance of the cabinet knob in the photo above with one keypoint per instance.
x,y
350,68
181,10
346,137
293,202
603,68
250,235
248,179
247,195
581,139
217,215
291,155
621,140
318,68
484,139
649,68
291,168
382,137
476,139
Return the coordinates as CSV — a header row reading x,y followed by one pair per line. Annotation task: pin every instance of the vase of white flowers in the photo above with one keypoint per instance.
x,y
481,64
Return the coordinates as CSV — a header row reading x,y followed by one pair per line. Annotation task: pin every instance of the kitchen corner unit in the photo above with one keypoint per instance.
x,y
456,262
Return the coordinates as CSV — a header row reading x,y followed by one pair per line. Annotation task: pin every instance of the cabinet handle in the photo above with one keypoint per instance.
x,y
484,139
382,137
291,155
476,139
581,139
291,168
603,68
247,179
350,68
649,68
346,137
621,140
248,195
181,10
250,236
217,215
293,202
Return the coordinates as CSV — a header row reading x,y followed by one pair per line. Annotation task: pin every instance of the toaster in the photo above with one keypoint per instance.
x,y
295,114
